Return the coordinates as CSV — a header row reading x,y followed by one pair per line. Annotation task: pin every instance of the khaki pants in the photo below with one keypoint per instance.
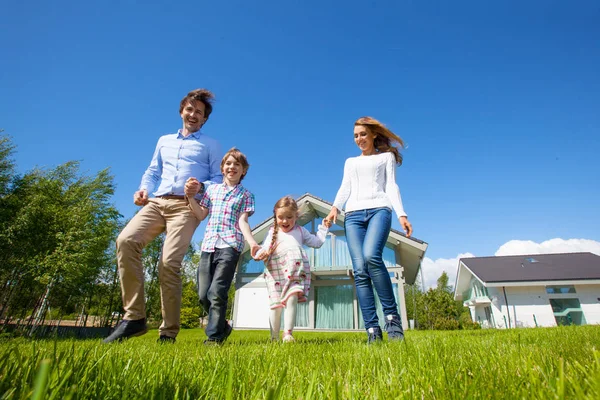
x,y
159,215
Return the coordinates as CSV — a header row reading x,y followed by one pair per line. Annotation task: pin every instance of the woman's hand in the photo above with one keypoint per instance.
x,y
406,226
331,217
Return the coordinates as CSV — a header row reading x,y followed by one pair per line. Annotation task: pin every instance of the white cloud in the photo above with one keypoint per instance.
x,y
432,269
521,247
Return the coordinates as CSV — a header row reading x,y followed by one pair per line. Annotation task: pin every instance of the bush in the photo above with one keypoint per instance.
x,y
467,323
445,324
190,317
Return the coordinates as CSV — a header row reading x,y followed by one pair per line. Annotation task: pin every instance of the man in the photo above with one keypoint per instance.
x,y
179,156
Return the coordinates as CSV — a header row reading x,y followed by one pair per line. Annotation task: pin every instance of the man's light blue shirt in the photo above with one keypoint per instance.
x,y
179,157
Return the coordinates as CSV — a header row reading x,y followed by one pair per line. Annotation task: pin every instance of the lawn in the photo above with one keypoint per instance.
x,y
540,363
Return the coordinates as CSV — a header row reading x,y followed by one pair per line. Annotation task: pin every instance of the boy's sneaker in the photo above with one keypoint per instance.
x,y
375,335
393,327
213,342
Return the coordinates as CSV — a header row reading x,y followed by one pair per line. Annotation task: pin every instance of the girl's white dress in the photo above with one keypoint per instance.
x,y
287,270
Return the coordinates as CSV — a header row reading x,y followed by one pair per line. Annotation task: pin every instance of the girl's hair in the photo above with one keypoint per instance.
x,y
384,138
284,202
239,157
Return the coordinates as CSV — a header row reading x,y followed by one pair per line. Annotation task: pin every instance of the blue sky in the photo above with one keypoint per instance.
x,y
498,102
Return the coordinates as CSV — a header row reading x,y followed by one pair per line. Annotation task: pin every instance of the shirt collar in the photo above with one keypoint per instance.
x,y
233,188
196,134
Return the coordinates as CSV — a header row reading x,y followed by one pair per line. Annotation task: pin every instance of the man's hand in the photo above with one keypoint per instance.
x,y
140,198
192,187
406,226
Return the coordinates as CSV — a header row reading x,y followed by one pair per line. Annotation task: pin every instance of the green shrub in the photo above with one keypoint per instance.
x,y
445,324
190,317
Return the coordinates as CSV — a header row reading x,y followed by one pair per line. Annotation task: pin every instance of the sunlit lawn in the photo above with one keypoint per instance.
x,y
536,363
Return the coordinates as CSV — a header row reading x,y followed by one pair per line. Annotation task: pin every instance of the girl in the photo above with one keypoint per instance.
x,y
369,191
287,270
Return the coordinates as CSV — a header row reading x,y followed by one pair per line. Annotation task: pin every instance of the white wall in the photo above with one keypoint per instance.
x,y
251,308
526,301
590,305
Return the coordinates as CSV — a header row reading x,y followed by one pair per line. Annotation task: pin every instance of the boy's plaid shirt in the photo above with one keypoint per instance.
x,y
224,209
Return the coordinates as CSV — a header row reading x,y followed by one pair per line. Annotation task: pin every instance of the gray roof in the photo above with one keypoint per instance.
x,y
535,267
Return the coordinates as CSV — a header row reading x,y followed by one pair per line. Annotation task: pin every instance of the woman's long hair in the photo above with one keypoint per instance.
x,y
384,138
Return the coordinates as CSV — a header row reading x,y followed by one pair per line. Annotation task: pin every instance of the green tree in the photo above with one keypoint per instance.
x,y
55,239
436,308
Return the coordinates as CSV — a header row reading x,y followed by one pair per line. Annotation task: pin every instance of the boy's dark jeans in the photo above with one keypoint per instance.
x,y
215,274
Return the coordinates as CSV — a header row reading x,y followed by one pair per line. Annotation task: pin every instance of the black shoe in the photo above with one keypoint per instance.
x,y
164,339
393,326
228,330
375,335
126,329
217,342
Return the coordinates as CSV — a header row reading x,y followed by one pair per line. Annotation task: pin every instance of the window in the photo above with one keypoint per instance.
x,y
560,289
249,265
567,311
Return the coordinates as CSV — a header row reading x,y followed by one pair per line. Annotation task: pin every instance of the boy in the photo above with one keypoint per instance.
x,y
228,206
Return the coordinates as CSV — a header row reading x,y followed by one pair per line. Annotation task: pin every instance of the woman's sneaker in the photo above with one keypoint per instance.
x,y
393,327
375,335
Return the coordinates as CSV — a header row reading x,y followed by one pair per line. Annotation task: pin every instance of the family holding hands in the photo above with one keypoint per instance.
x,y
190,182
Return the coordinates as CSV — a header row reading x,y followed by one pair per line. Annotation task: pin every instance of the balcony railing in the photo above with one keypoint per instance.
x,y
321,268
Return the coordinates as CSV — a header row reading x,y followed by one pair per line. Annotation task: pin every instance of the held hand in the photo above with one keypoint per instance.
x,y
261,255
406,226
331,217
254,249
140,198
192,187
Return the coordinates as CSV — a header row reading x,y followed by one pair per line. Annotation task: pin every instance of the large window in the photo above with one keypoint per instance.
x,y
334,307
567,311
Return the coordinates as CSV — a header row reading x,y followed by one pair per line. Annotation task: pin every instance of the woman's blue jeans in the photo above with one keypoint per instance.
x,y
366,233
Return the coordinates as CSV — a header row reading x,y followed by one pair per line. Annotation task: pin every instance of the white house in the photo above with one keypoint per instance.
x,y
531,290
332,302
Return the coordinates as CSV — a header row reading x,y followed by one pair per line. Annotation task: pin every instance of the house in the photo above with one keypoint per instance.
x,y
531,290
332,302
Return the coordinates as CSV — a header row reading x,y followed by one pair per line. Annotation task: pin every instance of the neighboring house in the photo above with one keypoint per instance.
x,y
332,299
531,290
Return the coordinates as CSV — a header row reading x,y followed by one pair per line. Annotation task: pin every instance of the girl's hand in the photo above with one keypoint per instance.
x,y
261,255
406,226
254,250
331,217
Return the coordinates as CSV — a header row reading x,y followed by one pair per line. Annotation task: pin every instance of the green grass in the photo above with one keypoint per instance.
x,y
536,363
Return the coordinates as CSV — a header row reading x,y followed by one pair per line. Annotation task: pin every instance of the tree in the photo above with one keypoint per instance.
x,y
54,241
436,308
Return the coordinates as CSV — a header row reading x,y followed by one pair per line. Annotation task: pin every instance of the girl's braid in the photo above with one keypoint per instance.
x,y
274,240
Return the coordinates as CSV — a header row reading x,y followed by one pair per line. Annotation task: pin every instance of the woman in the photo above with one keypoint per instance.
x,y
369,191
